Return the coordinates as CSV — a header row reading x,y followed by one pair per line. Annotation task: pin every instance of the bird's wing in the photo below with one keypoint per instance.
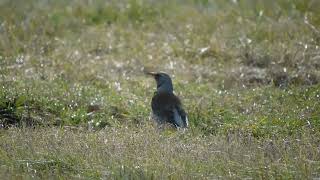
x,y
177,116
168,108
177,119
182,116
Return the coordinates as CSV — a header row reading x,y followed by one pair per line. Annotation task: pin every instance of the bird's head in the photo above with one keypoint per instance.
x,y
164,83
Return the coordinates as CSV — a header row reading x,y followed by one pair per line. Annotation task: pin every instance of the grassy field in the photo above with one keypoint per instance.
x,y
75,103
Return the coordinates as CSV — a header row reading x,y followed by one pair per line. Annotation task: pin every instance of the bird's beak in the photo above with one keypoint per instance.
x,y
151,73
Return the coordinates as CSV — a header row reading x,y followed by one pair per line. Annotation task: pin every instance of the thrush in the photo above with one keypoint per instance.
x,y
166,106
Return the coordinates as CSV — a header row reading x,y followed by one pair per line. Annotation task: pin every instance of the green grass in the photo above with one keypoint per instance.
x,y
75,103
145,153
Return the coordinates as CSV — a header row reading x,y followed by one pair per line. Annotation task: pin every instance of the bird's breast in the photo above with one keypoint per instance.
x,y
162,100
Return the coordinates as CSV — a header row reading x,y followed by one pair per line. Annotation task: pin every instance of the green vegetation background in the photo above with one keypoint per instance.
x,y
74,101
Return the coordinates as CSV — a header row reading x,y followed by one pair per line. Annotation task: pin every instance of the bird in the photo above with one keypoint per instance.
x,y
166,106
